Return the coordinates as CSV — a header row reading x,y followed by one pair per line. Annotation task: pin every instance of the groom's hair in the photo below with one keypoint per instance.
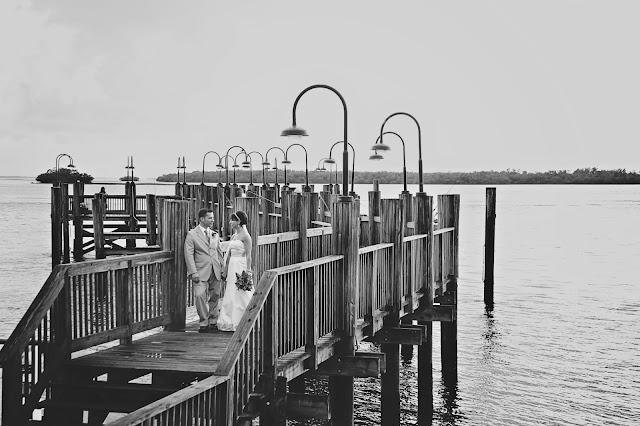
x,y
203,213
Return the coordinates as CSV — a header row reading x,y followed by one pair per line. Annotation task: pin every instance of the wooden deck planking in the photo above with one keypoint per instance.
x,y
163,351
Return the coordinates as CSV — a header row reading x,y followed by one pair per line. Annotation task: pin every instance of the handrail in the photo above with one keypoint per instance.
x,y
381,246
414,237
45,299
51,289
229,359
443,231
309,263
149,411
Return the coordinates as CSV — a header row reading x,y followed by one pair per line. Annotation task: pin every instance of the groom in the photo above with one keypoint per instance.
x,y
203,255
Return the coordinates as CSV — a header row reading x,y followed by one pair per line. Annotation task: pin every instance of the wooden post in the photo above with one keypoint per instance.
x,y
392,226
345,241
448,207
489,245
424,225
374,214
174,223
410,287
66,251
56,226
78,198
305,222
285,210
268,207
314,204
250,206
152,240
130,188
97,207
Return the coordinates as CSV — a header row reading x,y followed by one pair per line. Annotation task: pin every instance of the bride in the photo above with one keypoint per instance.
x,y
237,259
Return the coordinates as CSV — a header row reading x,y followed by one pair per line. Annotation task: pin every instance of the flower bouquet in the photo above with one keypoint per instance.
x,y
244,281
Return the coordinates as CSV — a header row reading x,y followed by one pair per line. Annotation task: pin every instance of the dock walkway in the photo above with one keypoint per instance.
x,y
329,278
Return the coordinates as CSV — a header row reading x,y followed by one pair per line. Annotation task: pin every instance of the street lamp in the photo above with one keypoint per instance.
x,y
247,163
58,166
306,165
266,163
226,163
382,147
330,160
236,165
296,132
421,185
203,158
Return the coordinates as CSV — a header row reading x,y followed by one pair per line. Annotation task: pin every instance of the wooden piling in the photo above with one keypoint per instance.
x,y
56,225
66,244
449,211
97,207
152,240
345,241
374,214
408,229
489,244
78,199
174,224
424,225
392,224
250,205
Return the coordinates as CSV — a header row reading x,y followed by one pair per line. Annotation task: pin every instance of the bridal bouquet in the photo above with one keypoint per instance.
x,y
244,281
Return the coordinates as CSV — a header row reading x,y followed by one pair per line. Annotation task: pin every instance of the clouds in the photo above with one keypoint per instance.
x,y
494,84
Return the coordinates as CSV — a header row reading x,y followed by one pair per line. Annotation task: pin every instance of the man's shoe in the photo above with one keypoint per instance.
x,y
212,327
204,329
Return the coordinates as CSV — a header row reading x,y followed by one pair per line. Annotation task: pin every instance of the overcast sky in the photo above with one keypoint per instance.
x,y
495,84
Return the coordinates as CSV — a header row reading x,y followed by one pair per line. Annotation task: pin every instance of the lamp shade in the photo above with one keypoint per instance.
x,y
330,161
246,163
381,147
220,166
285,162
376,156
294,131
266,163
235,165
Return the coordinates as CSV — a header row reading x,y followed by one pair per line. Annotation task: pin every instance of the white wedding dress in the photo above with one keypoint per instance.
x,y
235,301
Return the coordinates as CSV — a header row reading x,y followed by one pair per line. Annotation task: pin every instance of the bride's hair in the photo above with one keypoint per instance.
x,y
241,217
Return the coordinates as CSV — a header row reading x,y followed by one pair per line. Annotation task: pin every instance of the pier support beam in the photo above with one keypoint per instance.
x,y
174,223
78,198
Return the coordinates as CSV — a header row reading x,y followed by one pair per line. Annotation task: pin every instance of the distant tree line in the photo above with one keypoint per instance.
x,y
579,176
64,176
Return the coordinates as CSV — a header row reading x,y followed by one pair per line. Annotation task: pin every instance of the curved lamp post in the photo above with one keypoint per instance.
x,y
382,147
330,160
421,185
247,163
58,165
203,158
266,163
306,165
297,132
236,165
226,164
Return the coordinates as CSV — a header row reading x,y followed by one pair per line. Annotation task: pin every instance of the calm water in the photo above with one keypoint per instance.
x,y
561,346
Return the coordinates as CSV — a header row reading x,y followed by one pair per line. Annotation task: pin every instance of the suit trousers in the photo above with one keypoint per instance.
x,y
206,295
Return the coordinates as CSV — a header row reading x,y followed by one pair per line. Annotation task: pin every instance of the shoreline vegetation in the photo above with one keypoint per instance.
x,y
579,176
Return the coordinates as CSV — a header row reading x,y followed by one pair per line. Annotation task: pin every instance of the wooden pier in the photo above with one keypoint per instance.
x,y
329,277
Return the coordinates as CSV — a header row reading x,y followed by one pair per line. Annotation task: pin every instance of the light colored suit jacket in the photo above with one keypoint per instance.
x,y
202,256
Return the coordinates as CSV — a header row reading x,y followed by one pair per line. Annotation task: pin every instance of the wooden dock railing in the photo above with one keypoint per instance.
x,y
81,305
271,329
